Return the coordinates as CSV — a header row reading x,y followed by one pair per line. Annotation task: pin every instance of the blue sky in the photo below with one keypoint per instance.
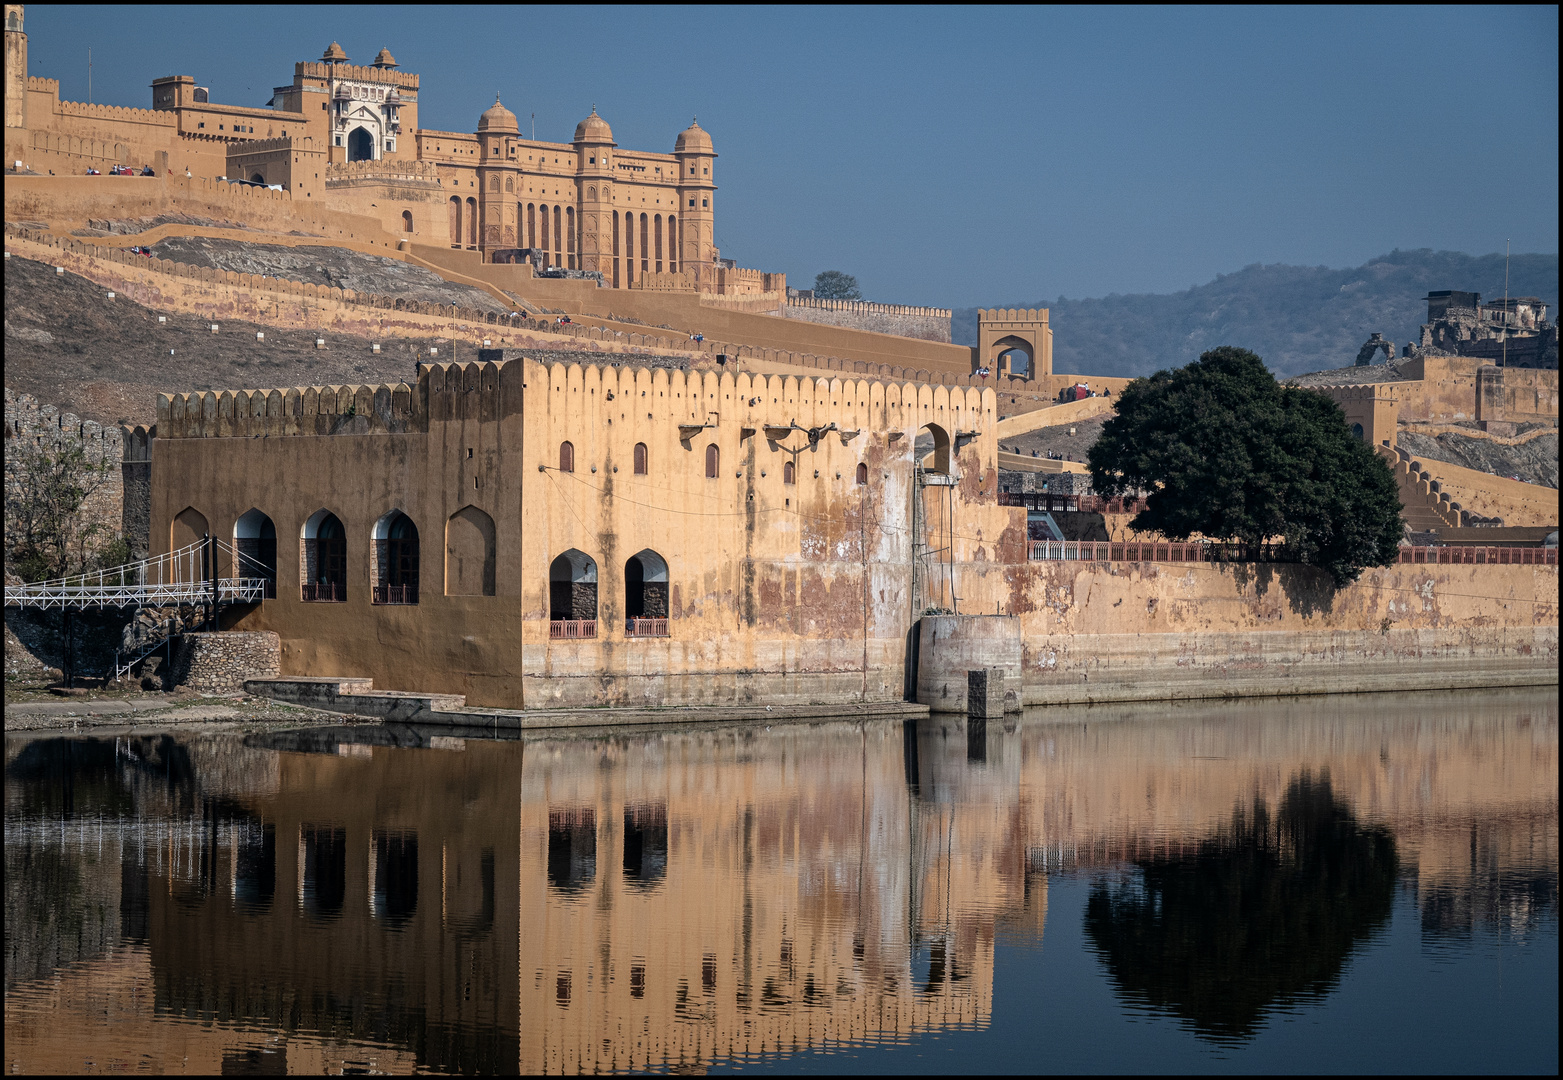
x,y
967,156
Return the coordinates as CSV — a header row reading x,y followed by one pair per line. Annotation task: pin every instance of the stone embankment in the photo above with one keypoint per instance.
x,y
357,697
220,663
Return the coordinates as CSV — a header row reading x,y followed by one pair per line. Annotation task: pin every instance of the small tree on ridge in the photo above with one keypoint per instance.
x,y
834,285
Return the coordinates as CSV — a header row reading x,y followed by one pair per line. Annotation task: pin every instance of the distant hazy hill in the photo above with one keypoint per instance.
x,y
1299,318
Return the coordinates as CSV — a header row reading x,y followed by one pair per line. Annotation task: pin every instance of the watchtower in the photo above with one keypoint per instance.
x,y
1002,333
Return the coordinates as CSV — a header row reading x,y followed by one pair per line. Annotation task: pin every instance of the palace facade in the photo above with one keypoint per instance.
x,y
340,128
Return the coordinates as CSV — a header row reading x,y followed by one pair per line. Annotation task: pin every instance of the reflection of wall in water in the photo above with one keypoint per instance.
x,y
747,889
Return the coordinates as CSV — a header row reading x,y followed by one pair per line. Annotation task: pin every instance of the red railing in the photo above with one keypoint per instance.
x,y
1463,554
329,592
1171,551
571,629
395,594
646,628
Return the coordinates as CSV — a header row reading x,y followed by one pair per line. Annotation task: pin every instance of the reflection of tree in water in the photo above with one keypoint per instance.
x,y
1257,917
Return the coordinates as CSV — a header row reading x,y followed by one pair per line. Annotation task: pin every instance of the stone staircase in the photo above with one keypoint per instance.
x,y
1426,506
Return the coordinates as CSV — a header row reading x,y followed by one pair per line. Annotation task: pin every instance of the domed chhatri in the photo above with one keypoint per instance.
x,y
498,118
594,129
693,140
385,59
334,54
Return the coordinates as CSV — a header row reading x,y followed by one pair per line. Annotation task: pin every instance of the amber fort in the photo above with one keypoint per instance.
x,y
628,473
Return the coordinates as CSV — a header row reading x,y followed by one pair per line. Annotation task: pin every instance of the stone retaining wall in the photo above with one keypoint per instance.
x,y
219,663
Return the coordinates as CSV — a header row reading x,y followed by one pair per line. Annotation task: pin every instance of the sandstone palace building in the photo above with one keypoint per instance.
x,y
584,205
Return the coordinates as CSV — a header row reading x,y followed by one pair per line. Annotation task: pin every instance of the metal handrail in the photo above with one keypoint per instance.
x,y
182,576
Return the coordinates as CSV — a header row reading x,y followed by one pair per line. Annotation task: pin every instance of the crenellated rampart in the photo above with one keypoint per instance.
x,y
317,69
902,320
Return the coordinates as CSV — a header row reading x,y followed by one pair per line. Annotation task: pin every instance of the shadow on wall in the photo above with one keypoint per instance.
x,y
1309,591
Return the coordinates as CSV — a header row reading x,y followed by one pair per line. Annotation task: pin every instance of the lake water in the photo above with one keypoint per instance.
x,y
1328,884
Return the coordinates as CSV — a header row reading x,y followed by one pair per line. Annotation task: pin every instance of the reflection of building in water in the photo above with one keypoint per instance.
x,y
676,897
352,898
699,895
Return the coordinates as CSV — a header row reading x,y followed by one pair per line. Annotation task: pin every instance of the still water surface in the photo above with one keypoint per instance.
x,y
1328,884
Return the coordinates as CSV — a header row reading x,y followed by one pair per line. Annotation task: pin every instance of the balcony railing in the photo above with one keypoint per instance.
x,y
325,592
395,594
571,629
1164,551
646,628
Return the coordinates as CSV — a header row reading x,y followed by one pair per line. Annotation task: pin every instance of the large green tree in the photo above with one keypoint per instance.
x,y
834,285
1221,449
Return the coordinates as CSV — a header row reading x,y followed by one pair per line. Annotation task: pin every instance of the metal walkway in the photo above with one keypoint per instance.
x,y
186,576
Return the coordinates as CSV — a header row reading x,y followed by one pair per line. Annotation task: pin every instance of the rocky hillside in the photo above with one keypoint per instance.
x,y
1534,461
339,268
1299,318
107,360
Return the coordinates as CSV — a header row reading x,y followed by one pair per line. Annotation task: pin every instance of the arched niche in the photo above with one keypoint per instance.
x,y
469,553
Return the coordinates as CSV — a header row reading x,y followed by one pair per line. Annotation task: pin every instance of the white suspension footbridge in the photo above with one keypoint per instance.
x,y
188,577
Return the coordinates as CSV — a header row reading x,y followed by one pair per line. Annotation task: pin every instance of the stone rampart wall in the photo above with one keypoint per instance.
x,y
219,663
926,324
29,421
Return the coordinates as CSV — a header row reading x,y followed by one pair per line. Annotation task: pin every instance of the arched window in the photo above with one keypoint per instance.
x,y
493,182
393,873
395,562
406,221
862,473
255,539
472,223
324,558
931,449
640,459
455,221
572,858
1356,429
645,852
510,184
566,457
646,595
789,473
713,461
572,596
360,145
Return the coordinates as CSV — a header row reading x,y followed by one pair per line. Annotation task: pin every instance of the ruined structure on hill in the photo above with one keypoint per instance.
x,y
1512,332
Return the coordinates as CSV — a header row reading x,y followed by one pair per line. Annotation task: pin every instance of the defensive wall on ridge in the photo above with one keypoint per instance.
x,y
927,323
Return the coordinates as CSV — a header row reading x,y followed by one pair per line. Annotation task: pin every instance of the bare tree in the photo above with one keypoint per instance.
x,y
48,534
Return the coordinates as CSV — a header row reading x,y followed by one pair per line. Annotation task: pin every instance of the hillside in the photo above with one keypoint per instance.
x,y
108,362
1299,318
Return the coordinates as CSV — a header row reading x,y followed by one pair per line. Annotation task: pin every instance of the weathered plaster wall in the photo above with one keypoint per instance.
x,y
771,584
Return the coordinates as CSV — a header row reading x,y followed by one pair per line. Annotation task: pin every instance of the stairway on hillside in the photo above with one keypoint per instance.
x,y
1425,507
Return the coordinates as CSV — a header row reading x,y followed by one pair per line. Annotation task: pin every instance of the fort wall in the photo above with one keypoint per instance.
x,y
929,324
106,510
